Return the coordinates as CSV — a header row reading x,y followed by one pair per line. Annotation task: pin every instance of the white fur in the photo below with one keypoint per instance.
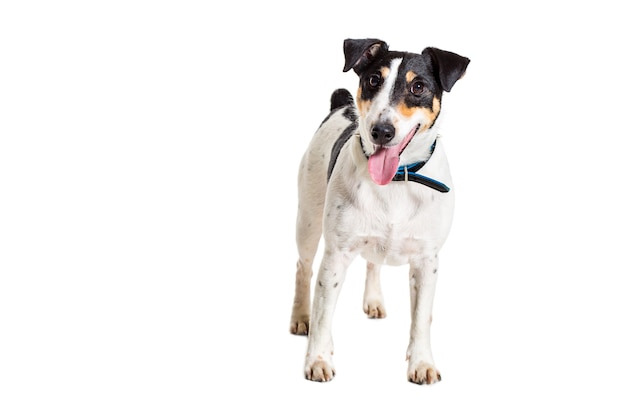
x,y
395,224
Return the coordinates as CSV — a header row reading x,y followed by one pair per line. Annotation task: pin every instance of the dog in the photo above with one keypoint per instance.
x,y
375,181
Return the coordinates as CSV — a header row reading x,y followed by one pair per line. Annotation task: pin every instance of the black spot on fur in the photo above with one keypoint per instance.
x,y
341,140
350,113
335,284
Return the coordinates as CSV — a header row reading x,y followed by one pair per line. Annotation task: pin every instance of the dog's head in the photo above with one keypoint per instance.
x,y
399,99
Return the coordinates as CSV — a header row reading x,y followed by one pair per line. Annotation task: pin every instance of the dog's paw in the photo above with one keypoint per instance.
x,y
423,373
299,325
374,309
319,371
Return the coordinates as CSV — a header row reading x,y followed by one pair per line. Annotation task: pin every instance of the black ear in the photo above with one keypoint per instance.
x,y
448,66
360,52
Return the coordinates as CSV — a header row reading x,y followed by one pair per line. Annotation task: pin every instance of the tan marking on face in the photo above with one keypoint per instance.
x,y
410,76
384,71
407,111
429,114
436,105
363,105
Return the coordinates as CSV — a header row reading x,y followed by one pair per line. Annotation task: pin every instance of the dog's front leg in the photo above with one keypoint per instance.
x,y
319,364
423,278
373,304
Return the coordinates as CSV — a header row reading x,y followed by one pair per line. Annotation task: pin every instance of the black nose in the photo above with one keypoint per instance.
x,y
382,133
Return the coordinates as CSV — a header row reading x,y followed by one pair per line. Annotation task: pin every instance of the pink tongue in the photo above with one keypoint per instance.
x,y
383,164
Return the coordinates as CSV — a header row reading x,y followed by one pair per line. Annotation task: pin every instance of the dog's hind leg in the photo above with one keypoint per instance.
x,y
373,304
308,233
311,197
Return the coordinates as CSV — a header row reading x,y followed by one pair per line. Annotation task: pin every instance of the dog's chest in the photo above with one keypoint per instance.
x,y
393,227
392,244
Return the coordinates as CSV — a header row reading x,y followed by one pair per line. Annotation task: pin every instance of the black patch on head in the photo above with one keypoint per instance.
x,y
436,71
424,77
374,69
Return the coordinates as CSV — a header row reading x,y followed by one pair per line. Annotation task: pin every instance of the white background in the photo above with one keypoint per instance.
x,y
148,162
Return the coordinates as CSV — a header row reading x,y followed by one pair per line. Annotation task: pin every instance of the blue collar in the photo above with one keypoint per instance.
x,y
409,173
404,173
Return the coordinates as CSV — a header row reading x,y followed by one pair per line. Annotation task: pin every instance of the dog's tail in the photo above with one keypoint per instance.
x,y
340,98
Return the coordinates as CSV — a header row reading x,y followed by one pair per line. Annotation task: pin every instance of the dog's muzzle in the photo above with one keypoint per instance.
x,y
383,163
383,133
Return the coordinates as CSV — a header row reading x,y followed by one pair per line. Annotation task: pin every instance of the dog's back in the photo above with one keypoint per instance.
x,y
321,156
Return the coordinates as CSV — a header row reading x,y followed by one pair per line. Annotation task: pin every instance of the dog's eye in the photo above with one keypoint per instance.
x,y
417,88
374,80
